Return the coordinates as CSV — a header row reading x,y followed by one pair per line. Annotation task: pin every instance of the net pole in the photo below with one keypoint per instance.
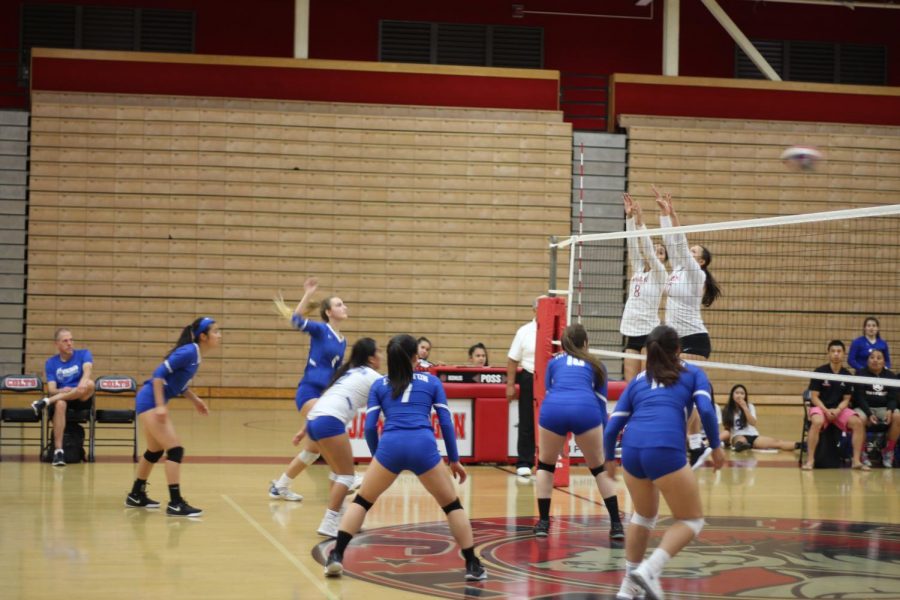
x,y
580,227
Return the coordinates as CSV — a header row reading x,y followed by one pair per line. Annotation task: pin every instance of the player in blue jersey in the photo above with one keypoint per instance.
x,y
654,407
575,403
326,353
407,443
171,379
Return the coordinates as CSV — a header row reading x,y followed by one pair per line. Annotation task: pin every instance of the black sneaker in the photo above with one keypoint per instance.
x,y
698,456
182,509
59,458
333,566
475,571
741,446
542,528
38,405
616,531
140,500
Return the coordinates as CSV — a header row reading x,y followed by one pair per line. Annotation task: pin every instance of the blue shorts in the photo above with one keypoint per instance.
x,y
408,450
306,392
325,427
652,463
145,400
562,417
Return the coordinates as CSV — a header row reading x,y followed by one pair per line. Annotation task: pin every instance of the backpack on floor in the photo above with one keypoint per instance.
x,y
829,451
73,445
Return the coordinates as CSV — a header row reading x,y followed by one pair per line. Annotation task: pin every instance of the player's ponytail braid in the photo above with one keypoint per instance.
x,y
400,352
663,365
575,343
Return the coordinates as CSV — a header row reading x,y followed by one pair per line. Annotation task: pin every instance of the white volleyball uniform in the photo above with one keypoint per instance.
x,y
684,286
645,290
348,394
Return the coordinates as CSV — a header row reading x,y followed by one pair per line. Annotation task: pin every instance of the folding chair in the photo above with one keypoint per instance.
x,y
122,419
23,418
75,418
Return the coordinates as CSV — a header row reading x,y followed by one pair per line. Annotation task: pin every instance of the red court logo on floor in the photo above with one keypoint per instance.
x,y
734,557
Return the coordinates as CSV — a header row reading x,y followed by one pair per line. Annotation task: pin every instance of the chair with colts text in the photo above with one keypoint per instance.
x,y
23,419
114,419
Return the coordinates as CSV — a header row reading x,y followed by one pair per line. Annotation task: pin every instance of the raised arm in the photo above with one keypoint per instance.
x,y
309,288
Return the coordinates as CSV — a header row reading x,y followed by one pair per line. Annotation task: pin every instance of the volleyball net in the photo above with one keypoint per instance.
x,y
790,284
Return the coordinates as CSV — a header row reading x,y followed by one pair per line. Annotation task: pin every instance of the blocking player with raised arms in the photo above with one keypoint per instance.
x,y
653,406
648,278
327,423
407,443
171,379
575,403
326,353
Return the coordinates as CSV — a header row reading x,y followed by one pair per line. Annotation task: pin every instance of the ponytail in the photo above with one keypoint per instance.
x,y
191,333
362,351
400,352
711,289
575,343
663,347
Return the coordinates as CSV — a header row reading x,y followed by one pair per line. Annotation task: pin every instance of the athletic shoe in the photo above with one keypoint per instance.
x,y
542,528
284,493
38,405
59,458
523,471
329,525
182,509
887,458
699,455
475,571
630,591
333,566
140,500
865,461
648,581
616,531
741,446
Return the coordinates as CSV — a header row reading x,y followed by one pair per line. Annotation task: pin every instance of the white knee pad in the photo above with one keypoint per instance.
x,y
345,480
642,521
695,525
308,457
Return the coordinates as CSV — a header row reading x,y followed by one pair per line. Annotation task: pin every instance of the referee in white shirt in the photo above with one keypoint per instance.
x,y
521,354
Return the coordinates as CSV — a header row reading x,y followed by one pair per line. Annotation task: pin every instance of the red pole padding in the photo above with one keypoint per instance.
x,y
551,321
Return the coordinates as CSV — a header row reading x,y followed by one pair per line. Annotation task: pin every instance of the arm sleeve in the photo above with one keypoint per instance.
x,y
446,420
373,411
634,250
49,371
702,397
516,350
678,249
616,423
887,356
87,357
859,398
892,398
181,358
602,389
852,358
313,328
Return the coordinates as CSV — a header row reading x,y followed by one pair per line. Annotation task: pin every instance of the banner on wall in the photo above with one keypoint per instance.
x,y
461,411
513,434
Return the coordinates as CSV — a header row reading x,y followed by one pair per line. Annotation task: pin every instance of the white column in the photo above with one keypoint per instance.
x,y
671,31
301,28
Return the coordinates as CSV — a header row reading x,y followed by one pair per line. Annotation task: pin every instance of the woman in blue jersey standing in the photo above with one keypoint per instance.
x,y
575,403
171,379
648,278
870,340
407,443
653,407
326,353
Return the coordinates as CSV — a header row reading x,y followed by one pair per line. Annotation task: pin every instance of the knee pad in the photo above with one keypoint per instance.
x,y
362,502
542,466
597,470
344,480
695,525
642,521
455,505
175,454
308,457
153,457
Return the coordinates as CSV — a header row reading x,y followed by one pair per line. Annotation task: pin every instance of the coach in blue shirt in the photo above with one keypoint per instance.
x,y
70,386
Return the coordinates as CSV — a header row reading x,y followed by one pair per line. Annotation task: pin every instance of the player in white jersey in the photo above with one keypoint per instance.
x,y
648,277
327,423
689,287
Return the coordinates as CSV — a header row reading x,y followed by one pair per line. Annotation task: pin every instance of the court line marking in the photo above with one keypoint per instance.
x,y
280,547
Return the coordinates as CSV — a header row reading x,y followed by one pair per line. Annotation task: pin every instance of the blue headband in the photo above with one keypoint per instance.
x,y
203,326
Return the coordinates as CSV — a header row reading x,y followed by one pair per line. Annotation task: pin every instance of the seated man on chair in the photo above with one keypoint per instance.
x,y
70,385
876,404
831,406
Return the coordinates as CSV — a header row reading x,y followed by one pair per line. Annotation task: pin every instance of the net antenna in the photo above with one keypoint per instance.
x,y
790,285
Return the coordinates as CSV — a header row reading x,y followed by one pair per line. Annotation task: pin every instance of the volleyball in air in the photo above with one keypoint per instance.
x,y
801,158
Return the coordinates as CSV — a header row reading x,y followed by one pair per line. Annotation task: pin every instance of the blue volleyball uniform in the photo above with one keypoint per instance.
x,y
326,353
67,373
176,370
653,444
576,398
407,440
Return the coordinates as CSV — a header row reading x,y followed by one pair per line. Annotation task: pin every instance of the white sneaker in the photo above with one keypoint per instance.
x,y
283,493
648,581
629,590
523,471
329,525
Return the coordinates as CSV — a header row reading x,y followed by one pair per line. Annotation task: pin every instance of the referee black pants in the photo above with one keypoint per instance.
x,y
526,446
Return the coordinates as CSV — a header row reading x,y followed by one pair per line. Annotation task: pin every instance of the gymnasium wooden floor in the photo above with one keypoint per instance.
x,y
773,531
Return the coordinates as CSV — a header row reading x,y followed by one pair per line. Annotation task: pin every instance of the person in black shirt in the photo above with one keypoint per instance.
x,y
877,403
